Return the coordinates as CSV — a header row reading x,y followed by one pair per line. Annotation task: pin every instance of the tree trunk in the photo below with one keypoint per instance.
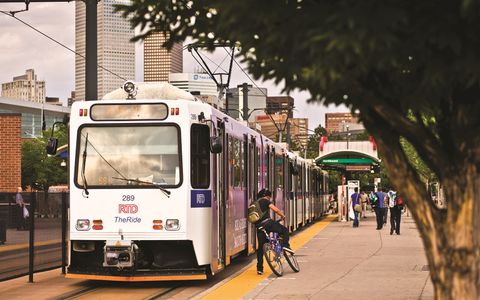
x,y
450,236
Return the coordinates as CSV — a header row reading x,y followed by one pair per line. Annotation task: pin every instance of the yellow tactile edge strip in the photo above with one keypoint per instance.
x,y
248,279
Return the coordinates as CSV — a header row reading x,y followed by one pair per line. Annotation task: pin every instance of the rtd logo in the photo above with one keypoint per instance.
x,y
127,208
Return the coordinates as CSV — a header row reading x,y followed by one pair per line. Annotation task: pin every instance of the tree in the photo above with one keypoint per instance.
x,y
314,140
387,59
40,171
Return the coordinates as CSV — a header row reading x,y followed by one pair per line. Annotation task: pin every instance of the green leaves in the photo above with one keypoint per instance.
x,y
389,57
40,171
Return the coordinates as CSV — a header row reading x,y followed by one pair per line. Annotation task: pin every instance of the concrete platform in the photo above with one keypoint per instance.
x,y
336,261
341,262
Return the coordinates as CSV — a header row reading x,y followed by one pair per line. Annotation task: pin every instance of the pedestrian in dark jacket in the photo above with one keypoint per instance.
x,y
380,208
265,201
21,218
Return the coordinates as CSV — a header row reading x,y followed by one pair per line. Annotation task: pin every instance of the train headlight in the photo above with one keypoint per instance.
x,y
172,225
83,225
131,89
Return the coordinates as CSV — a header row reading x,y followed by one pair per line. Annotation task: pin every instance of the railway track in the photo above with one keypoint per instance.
x,y
16,265
119,291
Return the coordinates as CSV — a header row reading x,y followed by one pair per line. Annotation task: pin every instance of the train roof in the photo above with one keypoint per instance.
x,y
152,90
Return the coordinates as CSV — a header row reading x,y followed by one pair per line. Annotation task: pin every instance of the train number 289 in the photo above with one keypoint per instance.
x,y
128,197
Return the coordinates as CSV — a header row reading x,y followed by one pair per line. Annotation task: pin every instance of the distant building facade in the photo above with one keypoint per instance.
x,y
25,87
192,82
71,99
53,101
334,122
270,126
257,102
33,115
115,51
280,104
159,62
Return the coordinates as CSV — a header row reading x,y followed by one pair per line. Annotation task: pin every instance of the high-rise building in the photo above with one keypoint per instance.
x,y
159,62
257,102
335,121
115,52
25,87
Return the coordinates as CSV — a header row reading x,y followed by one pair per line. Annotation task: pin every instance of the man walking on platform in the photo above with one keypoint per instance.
x,y
356,206
380,208
21,221
395,202
364,200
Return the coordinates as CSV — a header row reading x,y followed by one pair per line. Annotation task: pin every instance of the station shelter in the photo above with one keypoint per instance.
x,y
346,157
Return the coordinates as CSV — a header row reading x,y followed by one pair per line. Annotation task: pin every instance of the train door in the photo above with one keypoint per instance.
x,y
299,195
251,180
219,179
278,166
288,179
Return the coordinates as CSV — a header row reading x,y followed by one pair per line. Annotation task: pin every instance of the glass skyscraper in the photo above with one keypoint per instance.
x,y
115,51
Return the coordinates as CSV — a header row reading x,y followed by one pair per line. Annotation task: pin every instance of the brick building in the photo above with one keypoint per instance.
x,y
335,121
280,104
298,127
10,149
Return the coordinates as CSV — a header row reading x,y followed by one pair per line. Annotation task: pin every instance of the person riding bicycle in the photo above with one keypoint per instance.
x,y
265,200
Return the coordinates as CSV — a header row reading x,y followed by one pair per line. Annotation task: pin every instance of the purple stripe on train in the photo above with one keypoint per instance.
x,y
201,198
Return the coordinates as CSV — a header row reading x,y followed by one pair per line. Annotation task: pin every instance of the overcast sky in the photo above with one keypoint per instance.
x,y
22,48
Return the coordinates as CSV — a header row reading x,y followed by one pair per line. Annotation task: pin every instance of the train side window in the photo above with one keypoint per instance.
x,y
200,156
279,171
237,176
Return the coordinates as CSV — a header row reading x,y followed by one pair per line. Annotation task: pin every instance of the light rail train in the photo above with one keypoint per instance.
x,y
160,184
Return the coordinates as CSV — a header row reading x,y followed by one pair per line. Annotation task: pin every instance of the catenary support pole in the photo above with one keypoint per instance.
x,y
91,50
31,242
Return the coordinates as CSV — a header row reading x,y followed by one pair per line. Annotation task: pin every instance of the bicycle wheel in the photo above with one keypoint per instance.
x,y
273,260
291,260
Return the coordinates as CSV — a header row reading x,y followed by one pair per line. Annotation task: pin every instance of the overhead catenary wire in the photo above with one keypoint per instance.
x,y
271,118
59,43
10,14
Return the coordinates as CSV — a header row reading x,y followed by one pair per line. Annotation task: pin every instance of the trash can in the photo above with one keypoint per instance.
x,y
3,231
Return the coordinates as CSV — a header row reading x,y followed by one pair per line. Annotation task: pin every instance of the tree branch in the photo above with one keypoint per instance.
x,y
424,141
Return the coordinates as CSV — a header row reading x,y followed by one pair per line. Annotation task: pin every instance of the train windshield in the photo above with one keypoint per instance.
x,y
133,156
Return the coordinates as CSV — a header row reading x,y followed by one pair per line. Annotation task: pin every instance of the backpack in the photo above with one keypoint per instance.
x,y
400,201
254,212
373,199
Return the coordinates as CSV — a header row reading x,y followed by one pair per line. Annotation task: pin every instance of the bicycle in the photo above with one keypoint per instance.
x,y
273,251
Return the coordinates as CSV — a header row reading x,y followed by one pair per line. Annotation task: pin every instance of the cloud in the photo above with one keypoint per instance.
x,y
23,48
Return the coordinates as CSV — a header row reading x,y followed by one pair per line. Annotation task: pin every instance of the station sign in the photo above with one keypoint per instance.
x,y
361,161
357,168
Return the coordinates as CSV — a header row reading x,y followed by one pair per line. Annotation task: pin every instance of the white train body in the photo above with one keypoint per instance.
x,y
150,201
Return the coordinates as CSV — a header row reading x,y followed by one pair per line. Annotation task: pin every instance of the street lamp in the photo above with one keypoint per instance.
x,y
348,134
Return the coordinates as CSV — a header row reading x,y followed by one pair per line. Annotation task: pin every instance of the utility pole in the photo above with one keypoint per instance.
x,y
245,87
91,50
90,42
288,134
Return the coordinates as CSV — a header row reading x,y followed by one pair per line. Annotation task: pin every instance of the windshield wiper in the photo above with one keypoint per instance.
x,y
85,185
155,184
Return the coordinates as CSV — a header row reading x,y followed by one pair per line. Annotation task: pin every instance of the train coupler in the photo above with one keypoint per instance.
x,y
120,254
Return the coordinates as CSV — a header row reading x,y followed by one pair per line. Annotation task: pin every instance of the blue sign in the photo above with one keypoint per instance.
x,y
201,198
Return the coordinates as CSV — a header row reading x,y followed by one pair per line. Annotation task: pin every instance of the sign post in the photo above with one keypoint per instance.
x,y
351,185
